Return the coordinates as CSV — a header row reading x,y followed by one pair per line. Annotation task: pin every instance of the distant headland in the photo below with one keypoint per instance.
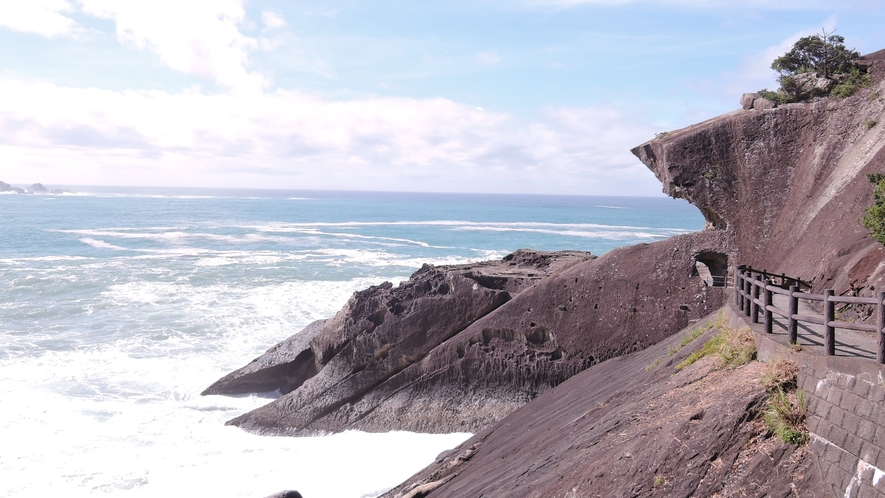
x,y
36,188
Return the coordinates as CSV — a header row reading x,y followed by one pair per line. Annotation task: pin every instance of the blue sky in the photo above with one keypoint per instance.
x,y
520,96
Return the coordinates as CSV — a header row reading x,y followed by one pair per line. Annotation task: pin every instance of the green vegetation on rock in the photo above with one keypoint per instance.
x,y
785,415
786,407
824,54
874,217
817,66
734,347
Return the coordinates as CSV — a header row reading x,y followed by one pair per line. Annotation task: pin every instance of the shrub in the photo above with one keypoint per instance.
x,y
824,55
871,123
854,82
779,98
874,217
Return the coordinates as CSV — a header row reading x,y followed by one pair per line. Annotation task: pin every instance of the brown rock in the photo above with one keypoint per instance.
x,y
747,100
631,426
762,104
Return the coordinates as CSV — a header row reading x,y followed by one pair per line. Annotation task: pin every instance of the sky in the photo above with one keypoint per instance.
x,y
485,96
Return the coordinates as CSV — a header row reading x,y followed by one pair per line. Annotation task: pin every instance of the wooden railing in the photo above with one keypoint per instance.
x,y
754,292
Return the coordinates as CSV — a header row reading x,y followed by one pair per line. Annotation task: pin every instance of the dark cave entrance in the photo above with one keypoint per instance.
x,y
712,267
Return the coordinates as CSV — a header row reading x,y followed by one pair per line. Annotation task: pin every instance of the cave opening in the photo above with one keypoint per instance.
x,y
712,267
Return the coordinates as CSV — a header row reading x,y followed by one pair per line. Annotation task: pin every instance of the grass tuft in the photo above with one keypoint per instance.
x,y
735,347
694,334
785,415
781,374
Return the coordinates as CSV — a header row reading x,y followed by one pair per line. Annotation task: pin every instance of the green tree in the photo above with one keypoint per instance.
x,y
874,217
824,54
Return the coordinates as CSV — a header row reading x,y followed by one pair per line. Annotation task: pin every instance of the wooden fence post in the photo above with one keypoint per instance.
x,y
737,279
767,305
792,324
830,339
748,292
756,288
880,311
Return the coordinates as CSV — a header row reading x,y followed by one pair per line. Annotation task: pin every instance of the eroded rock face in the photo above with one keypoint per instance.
x,y
631,426
457,348
788,184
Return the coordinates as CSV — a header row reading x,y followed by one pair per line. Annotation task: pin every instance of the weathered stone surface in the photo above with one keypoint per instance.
x,y
807,85
283,367
789,186
747,100
762,104
483,368
631,426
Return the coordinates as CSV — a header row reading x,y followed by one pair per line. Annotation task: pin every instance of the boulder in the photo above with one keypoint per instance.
x,y
747,100
762,104
807,85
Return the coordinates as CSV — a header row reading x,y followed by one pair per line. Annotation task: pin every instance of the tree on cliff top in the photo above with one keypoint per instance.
x,y
817,66
824,54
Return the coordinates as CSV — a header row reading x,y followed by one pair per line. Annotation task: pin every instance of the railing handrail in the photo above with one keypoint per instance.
x,y
754,292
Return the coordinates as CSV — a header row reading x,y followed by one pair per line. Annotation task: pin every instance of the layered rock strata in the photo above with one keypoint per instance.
x,y
457,348
788,184
631,426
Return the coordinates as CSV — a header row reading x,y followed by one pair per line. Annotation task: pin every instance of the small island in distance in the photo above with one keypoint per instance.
x,y
36,188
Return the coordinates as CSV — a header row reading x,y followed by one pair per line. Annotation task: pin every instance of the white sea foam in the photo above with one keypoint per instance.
x,y
605,235
104,351
100,244
131,403
137,427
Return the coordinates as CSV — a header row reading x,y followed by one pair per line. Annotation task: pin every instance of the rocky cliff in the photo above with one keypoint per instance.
x,y
632,426
784,188
458,348
788,184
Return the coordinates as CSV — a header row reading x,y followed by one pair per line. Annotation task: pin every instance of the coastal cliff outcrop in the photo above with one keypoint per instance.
x,y
458,348
635,425
785,188
788,184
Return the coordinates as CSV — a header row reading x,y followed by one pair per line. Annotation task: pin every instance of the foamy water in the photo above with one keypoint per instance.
x,y
120,307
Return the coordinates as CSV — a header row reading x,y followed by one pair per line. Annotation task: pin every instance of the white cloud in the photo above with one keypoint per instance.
x,y
272,20
199,37
42,17
488,58
289,139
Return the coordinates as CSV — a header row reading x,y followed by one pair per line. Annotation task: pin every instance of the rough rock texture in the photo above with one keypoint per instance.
x,y
458,348
788,185
631,426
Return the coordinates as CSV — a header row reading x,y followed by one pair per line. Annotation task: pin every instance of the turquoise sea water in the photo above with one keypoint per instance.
x,y
120,305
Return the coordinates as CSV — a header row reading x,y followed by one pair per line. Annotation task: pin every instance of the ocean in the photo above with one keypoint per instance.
x,y
120,305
